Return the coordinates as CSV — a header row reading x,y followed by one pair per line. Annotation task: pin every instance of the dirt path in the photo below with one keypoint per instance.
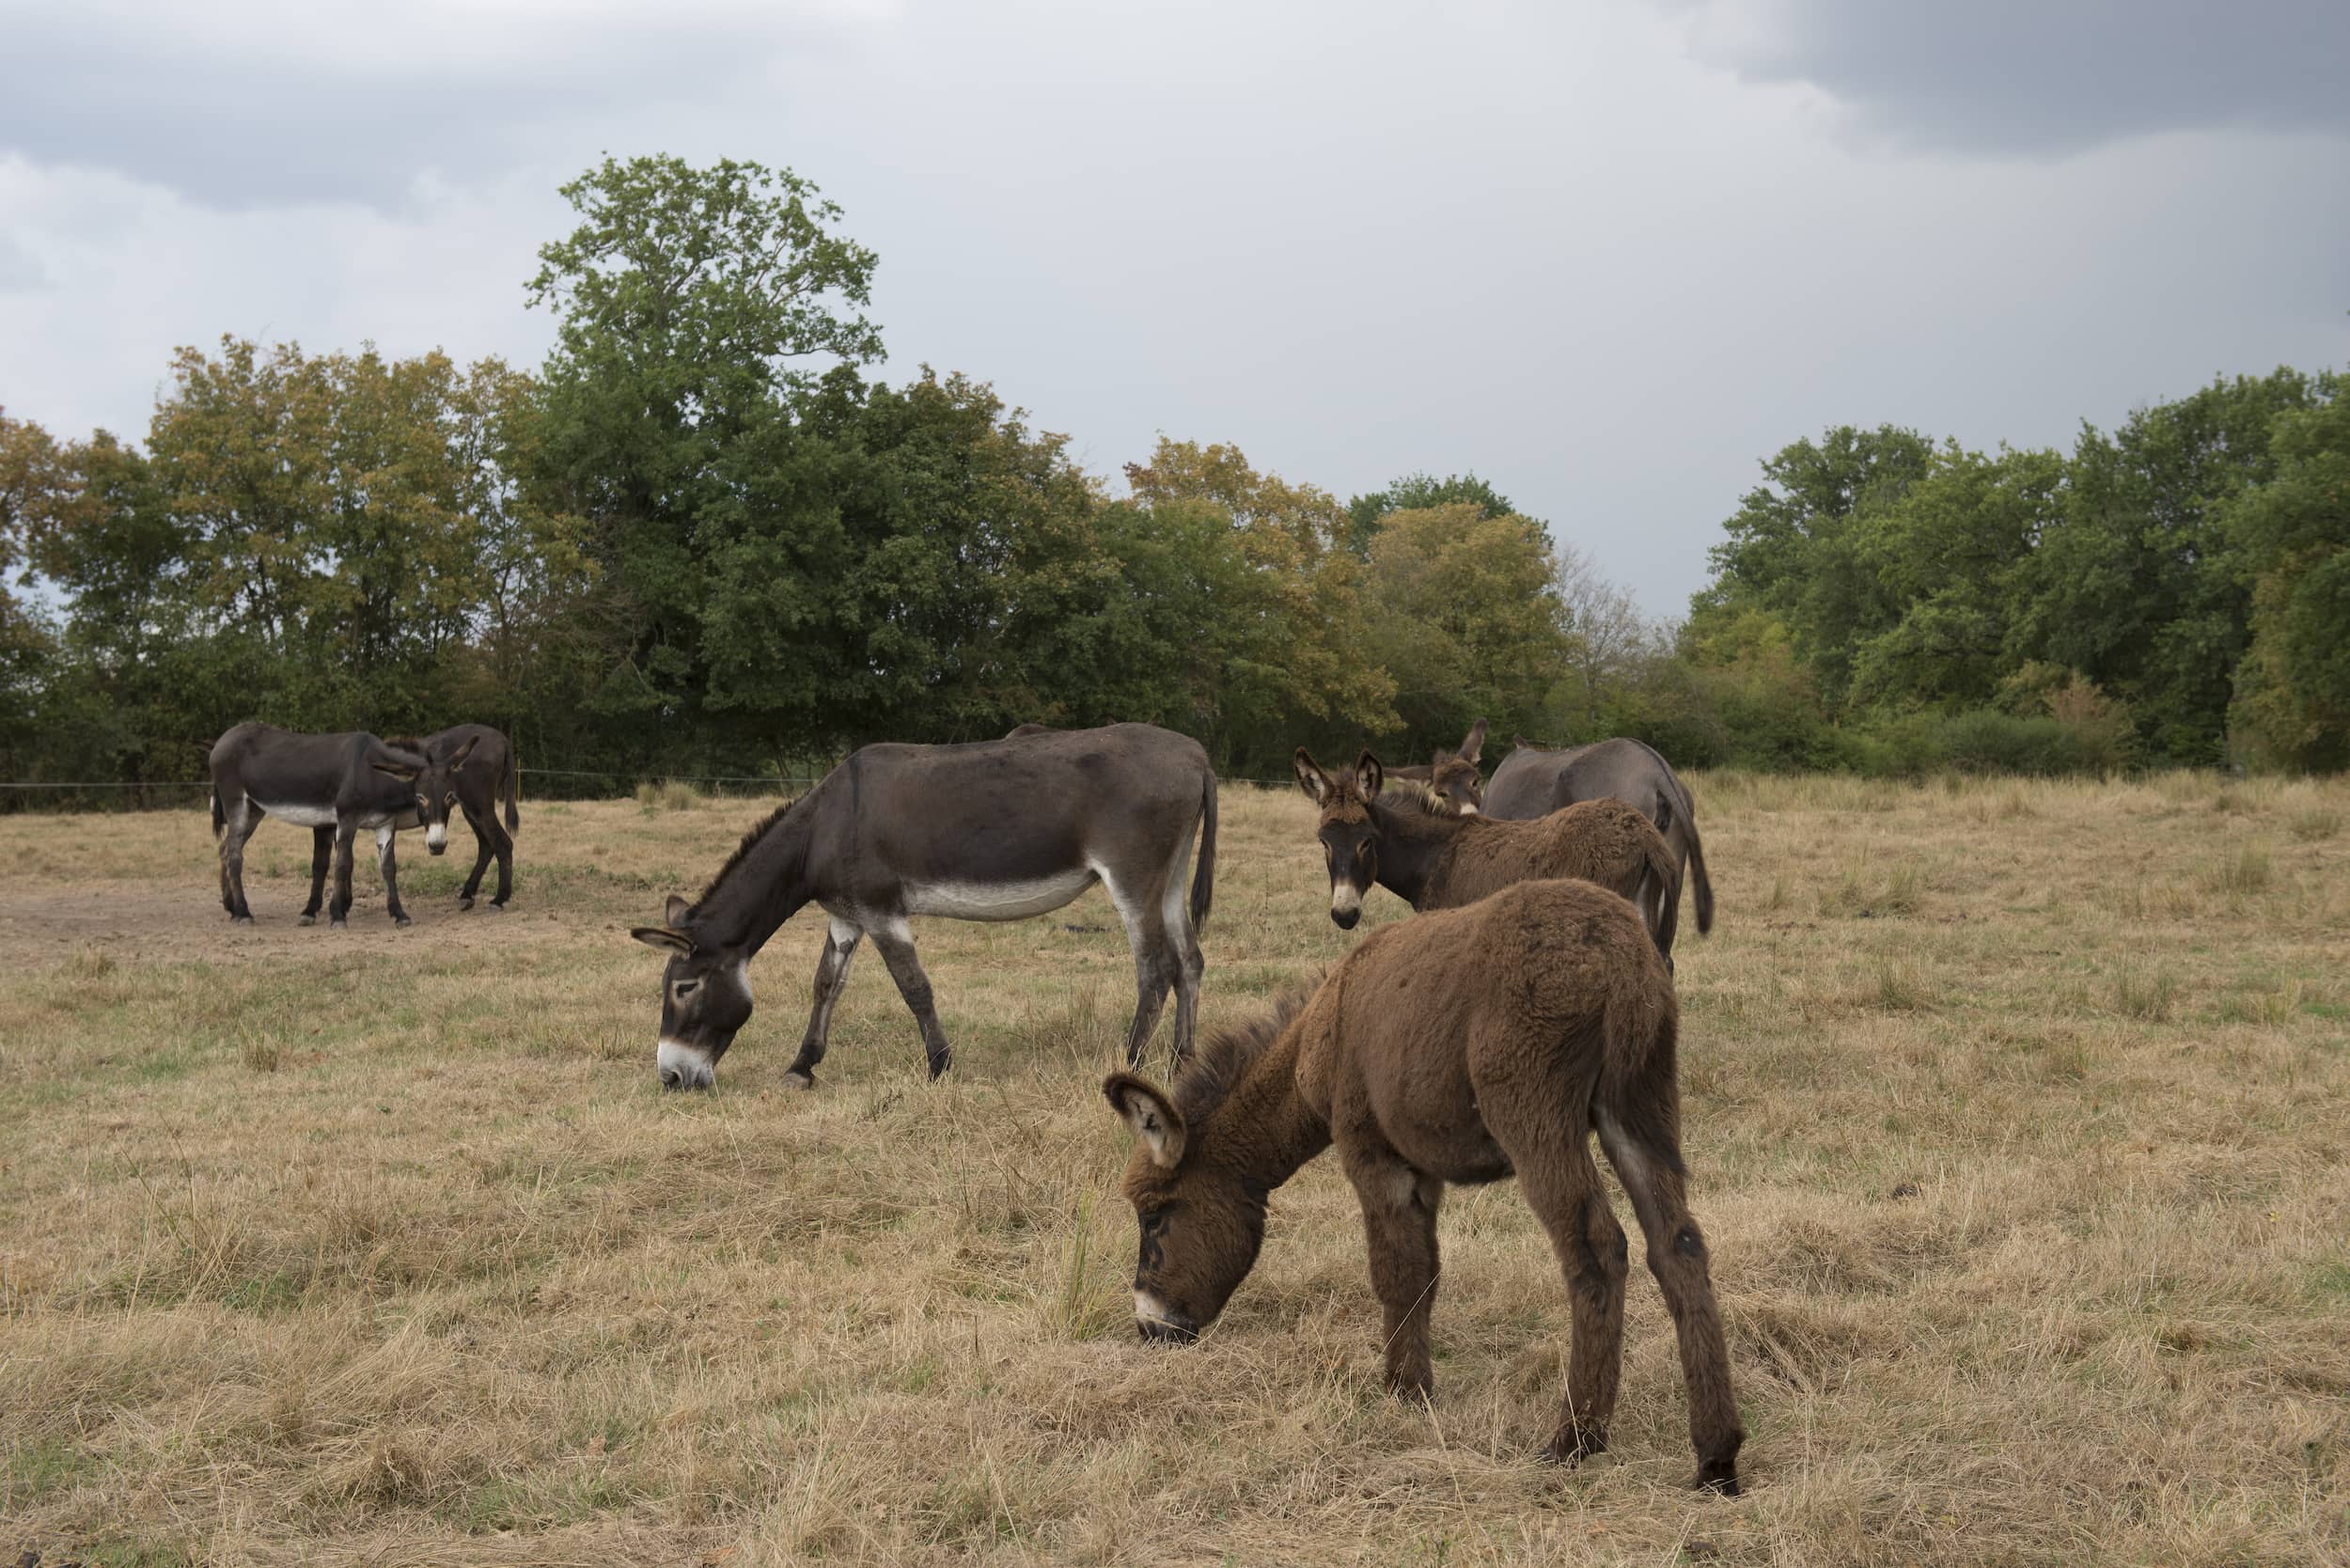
x,y
46,923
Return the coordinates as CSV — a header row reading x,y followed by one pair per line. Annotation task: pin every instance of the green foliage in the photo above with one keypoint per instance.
x,y
699,540
1462,614
1423,492
2293,533
2030,610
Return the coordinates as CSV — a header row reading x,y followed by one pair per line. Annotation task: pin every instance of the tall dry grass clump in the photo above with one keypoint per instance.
x,y
669,794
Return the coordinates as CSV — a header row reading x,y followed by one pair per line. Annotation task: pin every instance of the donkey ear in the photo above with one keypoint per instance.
x,y
662,936
396,770
462,752
1310,778
1474,744
1369,777
676,910
1150,1113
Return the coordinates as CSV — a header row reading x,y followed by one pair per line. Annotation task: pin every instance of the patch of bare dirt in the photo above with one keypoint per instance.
x,y
48,923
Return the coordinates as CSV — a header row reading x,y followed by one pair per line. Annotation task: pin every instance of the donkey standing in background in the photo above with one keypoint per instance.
x,y
1534,781
334,785
493,770
1452,776
992,830
1423,853
1460,1047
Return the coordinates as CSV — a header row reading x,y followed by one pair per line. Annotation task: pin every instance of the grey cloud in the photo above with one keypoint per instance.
x,y
2047,76
21,270
237,108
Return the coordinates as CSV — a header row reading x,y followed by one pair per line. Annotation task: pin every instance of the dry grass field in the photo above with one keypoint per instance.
x,y
2018,1117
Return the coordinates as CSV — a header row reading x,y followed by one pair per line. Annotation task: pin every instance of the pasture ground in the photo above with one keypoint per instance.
x,y
2018,1115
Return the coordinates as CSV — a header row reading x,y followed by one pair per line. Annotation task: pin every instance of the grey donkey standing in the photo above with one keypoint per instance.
x,y
336,786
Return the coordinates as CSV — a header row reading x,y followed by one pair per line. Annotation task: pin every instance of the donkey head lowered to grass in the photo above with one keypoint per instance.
x,y
1459,1046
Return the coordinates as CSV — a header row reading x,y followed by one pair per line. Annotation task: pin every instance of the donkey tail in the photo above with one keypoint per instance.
x,y
1203,874
220,818
1658,892
513,785
1701,885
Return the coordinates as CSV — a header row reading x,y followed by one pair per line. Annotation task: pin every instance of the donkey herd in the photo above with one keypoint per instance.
x,y
1527,1006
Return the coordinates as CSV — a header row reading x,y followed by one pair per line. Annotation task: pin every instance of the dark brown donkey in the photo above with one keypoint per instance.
x,y
335,786
993,830
1429,857
1533,781
492,771
1452,776
1464,1046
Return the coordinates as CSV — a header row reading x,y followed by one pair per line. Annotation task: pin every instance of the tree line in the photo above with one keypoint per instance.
x,y
701,538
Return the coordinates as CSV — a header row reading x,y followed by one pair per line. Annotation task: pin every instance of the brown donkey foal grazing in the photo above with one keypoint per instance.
x,y
1465,1045
1433,858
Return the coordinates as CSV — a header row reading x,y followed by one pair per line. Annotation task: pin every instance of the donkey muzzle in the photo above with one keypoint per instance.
x,y
683,1067
1158,1325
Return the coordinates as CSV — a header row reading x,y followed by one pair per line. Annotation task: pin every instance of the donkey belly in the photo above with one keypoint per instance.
x,y
300,816
997,900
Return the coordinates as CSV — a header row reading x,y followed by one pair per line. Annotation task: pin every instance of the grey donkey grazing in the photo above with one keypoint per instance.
x,y
992,830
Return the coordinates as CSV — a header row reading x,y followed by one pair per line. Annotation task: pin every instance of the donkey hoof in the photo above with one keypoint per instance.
x,y
1719,1477
799,1077
1571,1448
496,907
240,920
463,902
1411,1388
308,920
402,921
335,923
939,1064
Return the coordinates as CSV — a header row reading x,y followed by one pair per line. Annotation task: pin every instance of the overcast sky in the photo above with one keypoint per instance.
x,y
1606,255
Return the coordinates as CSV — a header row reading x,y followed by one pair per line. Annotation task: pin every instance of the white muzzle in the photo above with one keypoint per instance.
x,y
683,1067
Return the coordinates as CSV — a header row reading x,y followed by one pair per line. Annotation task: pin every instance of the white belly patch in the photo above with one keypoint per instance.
x,y
998,900
300,816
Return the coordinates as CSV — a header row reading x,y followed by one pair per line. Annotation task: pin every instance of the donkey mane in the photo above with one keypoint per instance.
x,y
743,850
1422,796
1227,1054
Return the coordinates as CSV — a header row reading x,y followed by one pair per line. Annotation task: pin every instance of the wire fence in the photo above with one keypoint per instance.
x,y
58,794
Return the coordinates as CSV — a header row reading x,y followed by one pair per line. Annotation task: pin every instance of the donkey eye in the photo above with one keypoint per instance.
x,y
686,988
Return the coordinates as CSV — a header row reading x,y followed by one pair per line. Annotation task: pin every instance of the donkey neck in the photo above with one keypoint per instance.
x,y
1412,844
1265,1129
765,884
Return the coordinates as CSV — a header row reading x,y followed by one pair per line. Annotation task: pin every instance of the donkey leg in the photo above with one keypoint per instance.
x,y
234,832
1547,1141
383,837
339,908
896,943
504,843
1157,961
1400,1221
1647,1158
322,856
832,973
480,861
1185,963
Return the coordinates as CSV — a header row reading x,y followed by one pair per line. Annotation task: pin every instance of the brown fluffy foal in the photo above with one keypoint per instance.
x,y
1431,858
1464,1046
